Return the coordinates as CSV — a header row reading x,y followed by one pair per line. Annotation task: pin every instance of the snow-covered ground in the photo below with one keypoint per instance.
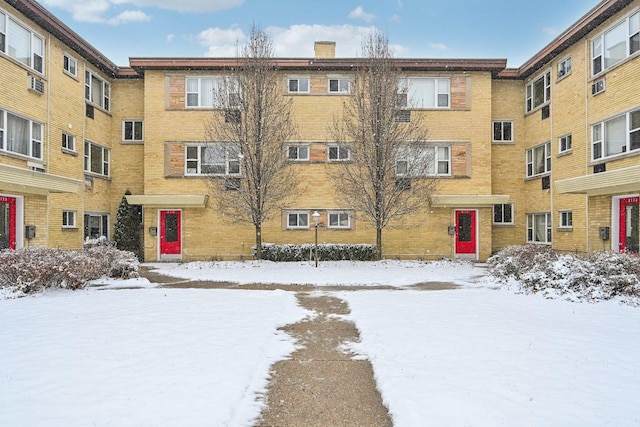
x,y
180,357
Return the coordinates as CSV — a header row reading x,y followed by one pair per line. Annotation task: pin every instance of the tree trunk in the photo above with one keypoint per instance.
x,y
258,241
379,244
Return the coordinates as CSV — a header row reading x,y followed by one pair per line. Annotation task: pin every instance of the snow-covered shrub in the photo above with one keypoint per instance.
x,y
34,269
326,252
596,276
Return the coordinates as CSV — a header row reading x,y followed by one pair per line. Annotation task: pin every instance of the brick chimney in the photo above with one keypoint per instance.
x,y
324,49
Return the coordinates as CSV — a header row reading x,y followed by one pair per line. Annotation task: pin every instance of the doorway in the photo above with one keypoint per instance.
x,y
466,236
170,234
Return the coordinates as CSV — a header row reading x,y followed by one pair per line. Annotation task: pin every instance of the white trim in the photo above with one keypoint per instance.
x,y
474,256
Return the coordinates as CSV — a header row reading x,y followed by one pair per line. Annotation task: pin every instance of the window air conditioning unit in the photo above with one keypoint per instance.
x,y
36,84
597,87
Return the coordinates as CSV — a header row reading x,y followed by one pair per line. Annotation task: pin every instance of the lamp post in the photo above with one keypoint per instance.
x,y
316,218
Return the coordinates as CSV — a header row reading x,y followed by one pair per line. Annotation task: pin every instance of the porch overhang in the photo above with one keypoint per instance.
x,y
616,181
468,200
31,182
170,201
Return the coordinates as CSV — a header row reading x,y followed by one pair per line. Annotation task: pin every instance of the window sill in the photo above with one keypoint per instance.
x,y
562,77
504,224
95,175
67,73
613,67
70,229
564,153
564,229
21,65
534,177
535,110
619,156
97,107
70,152
503,142
132,142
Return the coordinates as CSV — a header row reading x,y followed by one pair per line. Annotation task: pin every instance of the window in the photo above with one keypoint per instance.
x,y
96,225
539,91
615,136
339,220
564,143
503,213
298,152
213,159
68,141
96,159
339,85
96,90
68,219
20,136
299,85
425,92
598,86
203,92
539,228
338,153
616,44
539,160
132,130
21,43
298,220
566,219
502,131
564,67
417,161
70,65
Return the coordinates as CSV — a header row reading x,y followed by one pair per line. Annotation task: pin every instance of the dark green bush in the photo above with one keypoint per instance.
x,y
326,252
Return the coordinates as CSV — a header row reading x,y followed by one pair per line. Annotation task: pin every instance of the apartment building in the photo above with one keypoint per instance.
x,y
545,154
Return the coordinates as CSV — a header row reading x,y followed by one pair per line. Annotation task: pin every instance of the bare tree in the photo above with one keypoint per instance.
x,y
249,131
390,169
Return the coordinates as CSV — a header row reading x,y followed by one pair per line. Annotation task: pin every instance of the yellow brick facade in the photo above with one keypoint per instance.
x,y
484,170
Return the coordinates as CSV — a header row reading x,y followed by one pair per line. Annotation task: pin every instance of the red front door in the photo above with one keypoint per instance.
x,y
465,232
7,222
170,233
629,224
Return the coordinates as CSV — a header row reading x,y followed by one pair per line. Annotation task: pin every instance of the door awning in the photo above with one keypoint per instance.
x,y
616,181
168,200
468,200
31,182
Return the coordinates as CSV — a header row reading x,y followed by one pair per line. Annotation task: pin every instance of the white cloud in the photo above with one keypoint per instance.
x,y
220,42
129,16
170,37
395,18
295,41
97,11
359,13
437,46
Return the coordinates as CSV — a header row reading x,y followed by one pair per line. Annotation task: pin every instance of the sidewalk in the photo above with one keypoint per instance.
x,y
320,384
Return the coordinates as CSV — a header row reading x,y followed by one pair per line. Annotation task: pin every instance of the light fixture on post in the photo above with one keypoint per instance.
x,y
316,219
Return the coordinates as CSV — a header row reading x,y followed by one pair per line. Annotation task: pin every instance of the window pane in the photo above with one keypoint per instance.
x,y
19,42
293,220
207,91
615,45
303,152
137,131
96,159
497,213
17,134
497,131
96,91
422,93
128,130
615,135
293,85
507,213
303,85
538,92
506,131
333,85
303,220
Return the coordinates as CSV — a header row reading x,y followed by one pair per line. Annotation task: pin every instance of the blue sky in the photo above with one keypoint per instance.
x,y
510,29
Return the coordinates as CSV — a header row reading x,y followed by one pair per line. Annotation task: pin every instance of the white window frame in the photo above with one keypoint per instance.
x,y
105,158
343,85
338,220
439,161
70,65
532,86
565,143
298,215
68,142
438,97
565,219
502,220
103,229
195,88
297,150
69,219
132,123
502,132
564,67
533,165
196,158
630,27
338,153
601,136
536,221
298,80
35,136
35,58
91,80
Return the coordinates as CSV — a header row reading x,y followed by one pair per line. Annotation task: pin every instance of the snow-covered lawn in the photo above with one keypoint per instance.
x,y
182,357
